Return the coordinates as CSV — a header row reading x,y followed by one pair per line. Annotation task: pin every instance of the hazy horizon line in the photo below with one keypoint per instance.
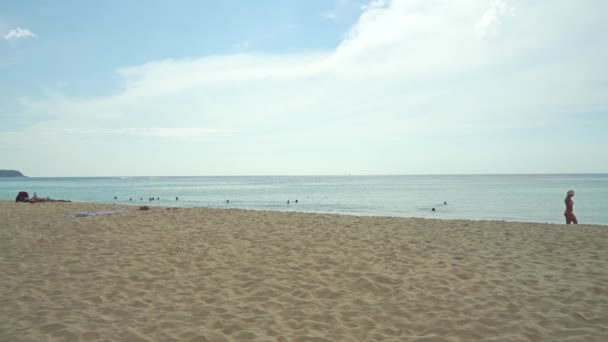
x,y
332,175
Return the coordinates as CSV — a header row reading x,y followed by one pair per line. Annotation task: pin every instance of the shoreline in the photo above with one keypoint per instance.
x,y
473,197
152,205
199,274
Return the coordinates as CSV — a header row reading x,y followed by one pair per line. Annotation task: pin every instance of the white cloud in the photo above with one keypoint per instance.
x,y
186,133
403,92
19,33
375,4
492,18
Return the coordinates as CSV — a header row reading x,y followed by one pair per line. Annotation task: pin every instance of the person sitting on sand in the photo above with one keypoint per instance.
x,y
36,199
569,213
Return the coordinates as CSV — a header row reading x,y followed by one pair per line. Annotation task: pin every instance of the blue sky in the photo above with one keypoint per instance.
x,y
82,43
128,88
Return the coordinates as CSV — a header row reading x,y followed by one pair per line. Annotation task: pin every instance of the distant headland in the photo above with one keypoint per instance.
x,y
10,173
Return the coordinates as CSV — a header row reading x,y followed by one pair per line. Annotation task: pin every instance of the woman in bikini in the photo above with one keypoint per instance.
x,y
569,213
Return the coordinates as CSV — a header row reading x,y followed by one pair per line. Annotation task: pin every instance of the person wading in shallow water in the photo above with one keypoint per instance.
x,y
569,213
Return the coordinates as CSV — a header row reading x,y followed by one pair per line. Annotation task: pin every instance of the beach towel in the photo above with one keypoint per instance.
x,y
98,213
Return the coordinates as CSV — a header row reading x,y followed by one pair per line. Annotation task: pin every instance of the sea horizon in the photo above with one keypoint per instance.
x,y
332,175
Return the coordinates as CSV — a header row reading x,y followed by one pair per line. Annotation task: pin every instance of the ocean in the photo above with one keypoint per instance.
x,y
528,198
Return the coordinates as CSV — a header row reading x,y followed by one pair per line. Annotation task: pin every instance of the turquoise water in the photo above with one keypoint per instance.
x,y
530,198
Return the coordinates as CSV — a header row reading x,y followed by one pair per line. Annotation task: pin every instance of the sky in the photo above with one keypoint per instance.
x,y
290,87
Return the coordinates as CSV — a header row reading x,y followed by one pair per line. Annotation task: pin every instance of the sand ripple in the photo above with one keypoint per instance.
x,y
231,275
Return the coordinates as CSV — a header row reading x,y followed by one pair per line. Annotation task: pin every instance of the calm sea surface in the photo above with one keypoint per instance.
x,y
531,198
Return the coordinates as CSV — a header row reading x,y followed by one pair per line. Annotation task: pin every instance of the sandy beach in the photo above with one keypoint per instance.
x,y
200,274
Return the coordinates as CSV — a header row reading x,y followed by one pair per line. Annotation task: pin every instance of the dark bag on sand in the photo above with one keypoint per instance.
x,y
22,196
